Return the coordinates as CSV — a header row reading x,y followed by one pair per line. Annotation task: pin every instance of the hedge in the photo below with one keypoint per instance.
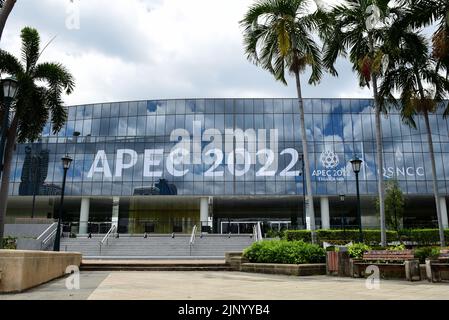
x,y
283,251
420,236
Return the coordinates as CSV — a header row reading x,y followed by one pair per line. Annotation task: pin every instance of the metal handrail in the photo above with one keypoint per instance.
x,y
257,232
54,224
192,238
106,237
44,243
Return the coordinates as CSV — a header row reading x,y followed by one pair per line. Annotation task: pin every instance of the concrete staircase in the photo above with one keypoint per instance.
x,y
157,246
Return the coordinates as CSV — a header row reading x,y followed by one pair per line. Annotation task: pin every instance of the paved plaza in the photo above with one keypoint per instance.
x,y
155,285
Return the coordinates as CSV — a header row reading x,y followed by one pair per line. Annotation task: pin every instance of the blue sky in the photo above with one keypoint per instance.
x,y
156,49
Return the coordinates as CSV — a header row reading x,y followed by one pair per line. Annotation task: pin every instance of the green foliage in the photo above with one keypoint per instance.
x,y
9,243
274,234
422,237
394,205
40,88
282,251
356,250
398,247
294,235
426,252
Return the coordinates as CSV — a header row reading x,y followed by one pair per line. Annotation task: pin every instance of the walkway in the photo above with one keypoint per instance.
x,y
227,285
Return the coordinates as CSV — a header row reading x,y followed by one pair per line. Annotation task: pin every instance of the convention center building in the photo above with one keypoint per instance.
x,y
163,166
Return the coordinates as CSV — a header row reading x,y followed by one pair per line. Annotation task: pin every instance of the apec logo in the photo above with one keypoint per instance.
x,y
329,159
330,162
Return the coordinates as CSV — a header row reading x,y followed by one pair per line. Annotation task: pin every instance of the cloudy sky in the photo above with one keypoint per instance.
x,y
154,49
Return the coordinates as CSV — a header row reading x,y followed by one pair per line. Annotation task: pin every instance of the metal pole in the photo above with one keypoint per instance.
x,y
359,212
36,171
58,230
5,127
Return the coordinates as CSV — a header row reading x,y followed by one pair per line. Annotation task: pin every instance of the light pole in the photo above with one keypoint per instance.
x,y
356,166
36,161
66,161
9,93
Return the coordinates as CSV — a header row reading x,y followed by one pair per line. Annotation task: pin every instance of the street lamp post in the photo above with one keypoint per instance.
x,y
9,93
36,161
356,166
66,161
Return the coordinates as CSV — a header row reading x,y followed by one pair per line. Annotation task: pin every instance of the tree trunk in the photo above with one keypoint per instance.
x,y
4,14
4,187
380,164
432,162
434,178
310,209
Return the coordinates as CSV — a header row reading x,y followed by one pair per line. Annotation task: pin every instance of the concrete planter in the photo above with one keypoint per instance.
x,y
239,263
314,269
22,270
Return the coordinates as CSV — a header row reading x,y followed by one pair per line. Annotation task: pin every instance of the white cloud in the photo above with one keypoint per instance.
x,y
143,49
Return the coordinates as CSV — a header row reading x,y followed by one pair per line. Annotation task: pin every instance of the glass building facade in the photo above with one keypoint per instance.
x,y
226,150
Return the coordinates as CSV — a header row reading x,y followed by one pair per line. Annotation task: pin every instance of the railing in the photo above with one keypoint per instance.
x,y
257,232
192,239
47,240
107,236
43,234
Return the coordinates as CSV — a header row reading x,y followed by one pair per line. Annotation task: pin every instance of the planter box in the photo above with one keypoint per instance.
x,y
314,269
22,270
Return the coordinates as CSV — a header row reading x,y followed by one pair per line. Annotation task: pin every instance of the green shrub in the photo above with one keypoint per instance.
x,y
422,237
283,251
426,252
274,234
398,247
295,235
369,236
356,250
9,243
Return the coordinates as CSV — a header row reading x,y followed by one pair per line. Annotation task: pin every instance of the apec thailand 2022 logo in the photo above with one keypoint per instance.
x,y
330,162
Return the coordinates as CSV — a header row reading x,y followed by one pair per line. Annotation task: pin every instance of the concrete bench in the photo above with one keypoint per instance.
x,y
391,264
22,270
436,268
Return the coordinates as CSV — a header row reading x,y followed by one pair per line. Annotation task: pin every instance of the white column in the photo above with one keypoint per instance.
x,y
204,212
443,208
325,220
115,210
84,215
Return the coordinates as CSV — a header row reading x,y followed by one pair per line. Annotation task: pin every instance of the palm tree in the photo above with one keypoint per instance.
x,y
427,12
6,7
354,32
414,74
278,37
39,97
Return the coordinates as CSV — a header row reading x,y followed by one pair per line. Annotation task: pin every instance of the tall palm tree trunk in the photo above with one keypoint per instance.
x,y
4,187
4,14
380,163
434,178
432,162
309,208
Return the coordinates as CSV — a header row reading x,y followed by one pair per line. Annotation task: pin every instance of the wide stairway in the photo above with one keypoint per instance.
x,y
210,246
